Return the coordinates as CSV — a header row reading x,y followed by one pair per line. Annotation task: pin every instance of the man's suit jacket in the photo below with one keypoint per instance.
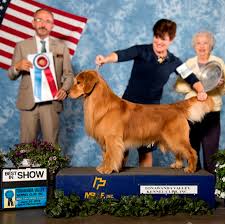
x,y
63,69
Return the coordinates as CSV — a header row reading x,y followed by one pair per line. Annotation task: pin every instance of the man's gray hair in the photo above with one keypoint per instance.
x,y
43,9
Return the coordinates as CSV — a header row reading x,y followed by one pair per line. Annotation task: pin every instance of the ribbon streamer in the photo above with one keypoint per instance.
x,y
37,82
51,81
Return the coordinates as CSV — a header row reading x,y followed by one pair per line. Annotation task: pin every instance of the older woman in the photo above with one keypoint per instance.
x,y
207,132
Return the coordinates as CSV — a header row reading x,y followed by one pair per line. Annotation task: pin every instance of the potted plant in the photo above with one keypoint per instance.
x,y
220,174
38,153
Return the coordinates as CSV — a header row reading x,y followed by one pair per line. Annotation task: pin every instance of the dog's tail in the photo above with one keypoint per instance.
x,y
195,110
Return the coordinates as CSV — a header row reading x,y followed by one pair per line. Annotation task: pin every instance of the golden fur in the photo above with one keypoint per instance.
x,y
118,124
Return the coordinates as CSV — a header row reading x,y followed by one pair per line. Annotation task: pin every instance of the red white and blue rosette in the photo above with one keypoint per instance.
x,y
41,64
41,61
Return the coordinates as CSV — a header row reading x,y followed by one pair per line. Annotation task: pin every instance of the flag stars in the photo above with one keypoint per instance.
x,y
2,2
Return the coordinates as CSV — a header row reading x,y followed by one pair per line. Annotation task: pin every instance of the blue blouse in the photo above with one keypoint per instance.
x,y
148,76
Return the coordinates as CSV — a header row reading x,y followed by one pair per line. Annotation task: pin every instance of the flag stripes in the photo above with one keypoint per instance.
x,y
16,26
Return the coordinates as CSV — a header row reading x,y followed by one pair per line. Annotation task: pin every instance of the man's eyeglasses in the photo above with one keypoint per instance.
x,y
39,20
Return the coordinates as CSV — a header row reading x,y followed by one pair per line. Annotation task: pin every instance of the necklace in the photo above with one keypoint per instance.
x,y
161,59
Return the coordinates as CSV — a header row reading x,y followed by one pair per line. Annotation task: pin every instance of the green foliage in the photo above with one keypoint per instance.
x,y
143,205
63,206
219,157
39,152
2,159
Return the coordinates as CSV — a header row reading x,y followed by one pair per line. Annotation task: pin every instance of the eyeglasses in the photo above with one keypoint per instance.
x,y
39,20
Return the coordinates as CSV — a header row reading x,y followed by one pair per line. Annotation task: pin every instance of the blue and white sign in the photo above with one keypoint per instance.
x,y
24,197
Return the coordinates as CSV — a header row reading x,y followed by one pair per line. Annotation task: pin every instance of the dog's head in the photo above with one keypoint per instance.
x,y
84,83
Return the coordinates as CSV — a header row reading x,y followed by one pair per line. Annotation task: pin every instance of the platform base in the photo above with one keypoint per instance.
x,y
158,181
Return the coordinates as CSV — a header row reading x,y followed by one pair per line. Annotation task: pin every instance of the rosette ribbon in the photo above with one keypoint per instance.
x,y
41,67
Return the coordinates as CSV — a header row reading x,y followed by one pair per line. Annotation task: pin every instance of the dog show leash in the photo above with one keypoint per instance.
x,y
97,68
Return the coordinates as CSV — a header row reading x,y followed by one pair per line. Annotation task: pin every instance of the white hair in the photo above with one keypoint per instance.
x,y
208,35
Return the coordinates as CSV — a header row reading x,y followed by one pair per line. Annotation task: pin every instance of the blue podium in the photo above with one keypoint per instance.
x,y
160,182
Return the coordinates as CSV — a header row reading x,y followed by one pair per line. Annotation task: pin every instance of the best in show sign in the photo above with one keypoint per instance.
x,y
43,77
27,174
23,188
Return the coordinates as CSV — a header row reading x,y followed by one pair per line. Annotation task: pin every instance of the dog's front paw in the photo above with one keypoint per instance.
x,y
104,170
173,165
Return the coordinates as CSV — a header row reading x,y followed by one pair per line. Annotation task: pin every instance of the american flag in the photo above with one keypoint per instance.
x,y
15,25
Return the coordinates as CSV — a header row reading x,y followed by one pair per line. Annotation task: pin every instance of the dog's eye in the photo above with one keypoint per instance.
x,y
78,82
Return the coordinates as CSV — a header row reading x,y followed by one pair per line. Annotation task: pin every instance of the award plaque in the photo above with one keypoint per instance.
x,y
211,75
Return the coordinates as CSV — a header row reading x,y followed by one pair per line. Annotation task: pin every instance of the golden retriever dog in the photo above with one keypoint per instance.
x,y
118,125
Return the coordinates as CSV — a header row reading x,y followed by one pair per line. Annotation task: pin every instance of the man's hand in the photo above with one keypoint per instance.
x,y
61,94
23,65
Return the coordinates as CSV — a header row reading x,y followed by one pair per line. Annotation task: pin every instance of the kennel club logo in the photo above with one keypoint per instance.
x,y
28,174
98,183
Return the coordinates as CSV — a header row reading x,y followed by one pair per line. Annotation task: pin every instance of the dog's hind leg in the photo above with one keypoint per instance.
x,y
188,153
183,150
113,157
192,158
178,142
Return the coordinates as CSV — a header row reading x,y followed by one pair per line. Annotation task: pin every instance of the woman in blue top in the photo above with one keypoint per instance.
x,y
152,66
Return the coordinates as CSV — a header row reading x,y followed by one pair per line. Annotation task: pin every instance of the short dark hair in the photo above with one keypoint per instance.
x,y
165,26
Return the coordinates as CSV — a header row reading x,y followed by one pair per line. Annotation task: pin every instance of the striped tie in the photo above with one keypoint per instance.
x,y
43,48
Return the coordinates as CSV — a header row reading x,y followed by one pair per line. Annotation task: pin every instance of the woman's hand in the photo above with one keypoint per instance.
x,y
221,82
100,60
202,96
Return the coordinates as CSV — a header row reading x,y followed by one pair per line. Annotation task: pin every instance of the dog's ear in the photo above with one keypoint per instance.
x,y
91,78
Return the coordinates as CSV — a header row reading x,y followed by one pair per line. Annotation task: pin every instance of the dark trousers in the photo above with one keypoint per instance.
x,y
207,135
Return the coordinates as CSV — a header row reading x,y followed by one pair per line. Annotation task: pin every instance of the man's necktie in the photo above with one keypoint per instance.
x,y
43,48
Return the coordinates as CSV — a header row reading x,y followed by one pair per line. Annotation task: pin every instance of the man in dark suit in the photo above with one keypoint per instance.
x,y
42,116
